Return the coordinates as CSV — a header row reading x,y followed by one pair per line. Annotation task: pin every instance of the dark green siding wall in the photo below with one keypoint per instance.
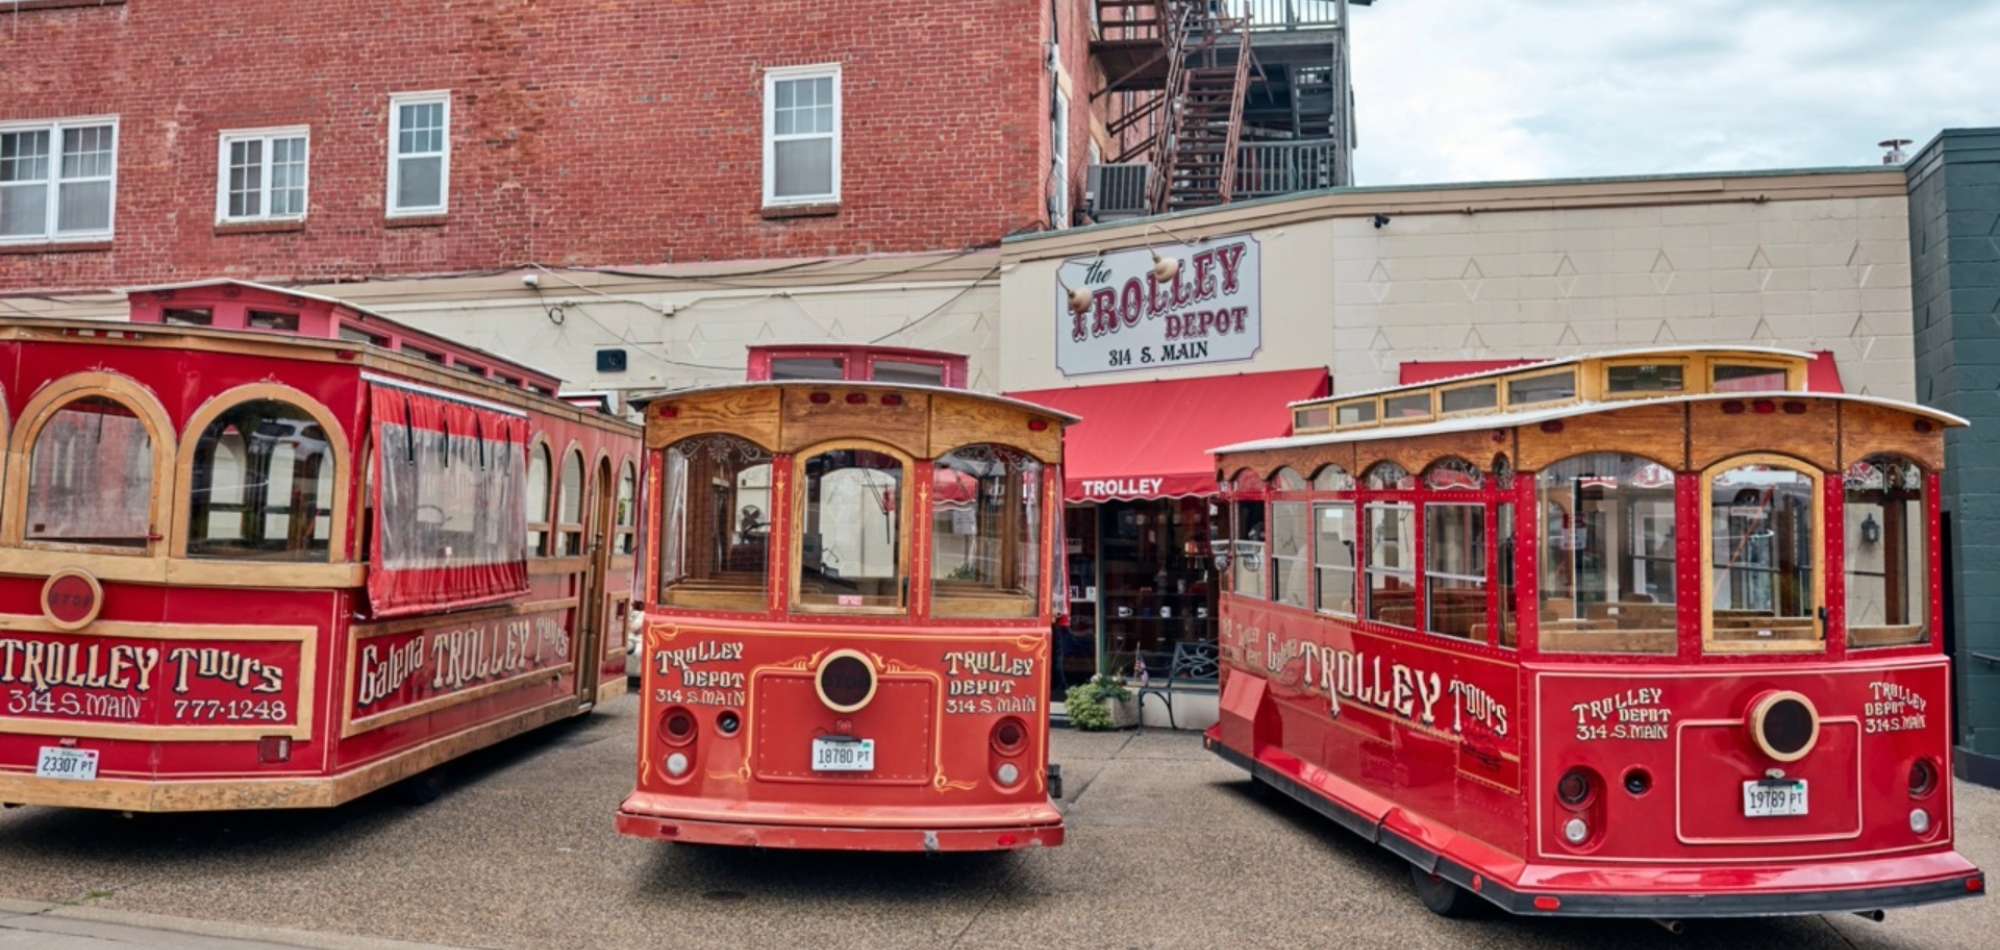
x,y
1955,290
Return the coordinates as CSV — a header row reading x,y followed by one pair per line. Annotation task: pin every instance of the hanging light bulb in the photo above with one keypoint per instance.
x,y
1165,269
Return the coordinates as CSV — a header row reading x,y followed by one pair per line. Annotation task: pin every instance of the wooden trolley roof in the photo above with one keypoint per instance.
x,y
924,421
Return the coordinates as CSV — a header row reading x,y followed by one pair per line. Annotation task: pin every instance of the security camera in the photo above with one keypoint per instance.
x,y
531,280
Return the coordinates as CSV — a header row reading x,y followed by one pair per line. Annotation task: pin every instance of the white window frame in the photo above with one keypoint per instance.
x,y
771,79
55,128
232,136
396,103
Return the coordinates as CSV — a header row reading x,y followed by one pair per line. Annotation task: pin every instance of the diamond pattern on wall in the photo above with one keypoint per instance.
x,y
1665,334
1662,272
1565,275
1761,263
1858,269
1568,337
1378,282
1471,280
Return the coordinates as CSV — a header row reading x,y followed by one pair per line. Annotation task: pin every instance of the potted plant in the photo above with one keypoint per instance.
x,y
1101,704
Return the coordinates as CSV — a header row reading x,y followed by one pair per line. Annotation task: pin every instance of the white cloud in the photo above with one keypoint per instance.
x,y
1471,90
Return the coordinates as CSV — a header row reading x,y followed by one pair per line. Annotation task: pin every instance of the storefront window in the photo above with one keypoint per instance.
x,y
1607,543
1762,553
1159,582
1392,564
91,476
1455,570
851,549
1333,557
1888,589
715,525
986,529
263,480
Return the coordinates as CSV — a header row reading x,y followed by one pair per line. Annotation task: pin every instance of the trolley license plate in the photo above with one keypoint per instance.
x,y
59,762
843,755
1769,799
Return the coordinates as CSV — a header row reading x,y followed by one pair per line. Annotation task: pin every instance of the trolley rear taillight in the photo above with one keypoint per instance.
x,y
1923,778
677,727
1010,736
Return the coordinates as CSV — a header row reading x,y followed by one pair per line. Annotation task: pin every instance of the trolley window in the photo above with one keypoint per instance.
x,y
1288,553
263,480
986,529
1455,570
628,509
1746,378
851,543
1470,398
1355,413
1333,557
91,476
1503,569
1630,378
1888,568
715,527
536,500
569,510
1392,564
1547,387
1607,555
1762,556
1247,553
449,530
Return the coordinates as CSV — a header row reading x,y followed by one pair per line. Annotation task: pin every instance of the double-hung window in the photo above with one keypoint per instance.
x,y
261,175
419,153
802,135
58,180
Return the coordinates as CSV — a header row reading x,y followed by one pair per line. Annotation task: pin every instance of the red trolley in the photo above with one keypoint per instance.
x,y
849,603
264,549
1645,634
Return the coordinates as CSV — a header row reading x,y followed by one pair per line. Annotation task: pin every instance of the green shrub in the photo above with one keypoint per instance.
x,y
1086,703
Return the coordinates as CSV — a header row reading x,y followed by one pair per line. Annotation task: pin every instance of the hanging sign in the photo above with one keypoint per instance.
x,y
1207,313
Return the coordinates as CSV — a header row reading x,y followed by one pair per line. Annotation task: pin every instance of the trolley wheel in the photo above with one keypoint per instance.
x,y
422,788
1440,896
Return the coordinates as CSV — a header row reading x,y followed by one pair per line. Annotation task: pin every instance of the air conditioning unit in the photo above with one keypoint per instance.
x,y
1116,191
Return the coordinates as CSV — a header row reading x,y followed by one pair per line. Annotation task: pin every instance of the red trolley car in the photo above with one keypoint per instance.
x,y
1645,634
264,549
849,602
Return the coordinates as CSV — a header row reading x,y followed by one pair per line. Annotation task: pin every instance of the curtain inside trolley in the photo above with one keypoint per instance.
x,y
449,497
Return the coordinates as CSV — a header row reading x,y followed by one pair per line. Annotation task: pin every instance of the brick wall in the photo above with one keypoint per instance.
x,y
1955,312
583,132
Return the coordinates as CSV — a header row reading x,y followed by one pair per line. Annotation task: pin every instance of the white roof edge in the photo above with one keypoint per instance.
x,y
1532,416
1555,362
857,383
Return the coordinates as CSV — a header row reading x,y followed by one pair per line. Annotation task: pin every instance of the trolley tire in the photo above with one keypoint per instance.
x,y
422,788
1440,896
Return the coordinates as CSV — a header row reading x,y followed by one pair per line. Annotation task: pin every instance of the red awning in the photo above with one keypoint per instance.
x,y
1151,439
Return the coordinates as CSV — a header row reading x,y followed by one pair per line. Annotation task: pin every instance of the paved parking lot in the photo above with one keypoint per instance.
x,y
1167,848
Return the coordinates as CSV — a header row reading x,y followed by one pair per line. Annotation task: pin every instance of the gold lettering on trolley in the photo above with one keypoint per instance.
x,y
223,666
1892,707
40,665
1633,714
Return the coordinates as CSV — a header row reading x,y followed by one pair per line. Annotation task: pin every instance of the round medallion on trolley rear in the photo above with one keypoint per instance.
x,y
1784,725
71,599
845,681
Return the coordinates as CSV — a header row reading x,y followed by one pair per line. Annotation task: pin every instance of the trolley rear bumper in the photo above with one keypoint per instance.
x,y
963,828
1658,891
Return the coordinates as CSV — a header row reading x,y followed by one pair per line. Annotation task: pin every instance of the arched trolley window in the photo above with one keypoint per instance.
x,y
1334,536
1607,523
853,531
628,509
536,499
715,525
90,477
986,529
1760,555
262,485
1455,552
569,510
1288,540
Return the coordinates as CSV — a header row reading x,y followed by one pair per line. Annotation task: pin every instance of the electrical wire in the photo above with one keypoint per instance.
x,y
940,308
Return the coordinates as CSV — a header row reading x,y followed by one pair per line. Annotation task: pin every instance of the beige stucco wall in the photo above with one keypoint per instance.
x,y
1811,260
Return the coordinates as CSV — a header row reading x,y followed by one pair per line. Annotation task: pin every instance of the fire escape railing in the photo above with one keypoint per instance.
x,y
1227,185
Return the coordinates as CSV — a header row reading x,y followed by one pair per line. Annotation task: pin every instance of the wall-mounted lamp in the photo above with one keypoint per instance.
x,y
1079,300
1871,530
1381,221
1165,269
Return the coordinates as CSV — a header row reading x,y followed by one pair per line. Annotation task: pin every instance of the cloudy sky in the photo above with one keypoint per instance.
x,y
1471,90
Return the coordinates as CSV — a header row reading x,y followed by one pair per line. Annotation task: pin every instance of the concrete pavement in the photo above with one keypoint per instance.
x,y
1167,848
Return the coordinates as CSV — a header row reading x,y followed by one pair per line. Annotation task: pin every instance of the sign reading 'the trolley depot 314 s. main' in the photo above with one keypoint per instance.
x,y
1208,312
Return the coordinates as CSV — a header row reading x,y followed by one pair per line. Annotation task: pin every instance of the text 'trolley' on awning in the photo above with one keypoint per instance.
x,y
1151,439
